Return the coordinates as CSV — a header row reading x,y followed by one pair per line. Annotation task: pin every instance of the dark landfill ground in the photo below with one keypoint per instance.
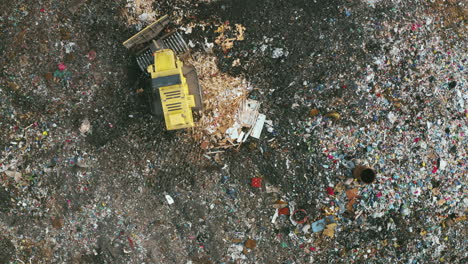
x,y
89,176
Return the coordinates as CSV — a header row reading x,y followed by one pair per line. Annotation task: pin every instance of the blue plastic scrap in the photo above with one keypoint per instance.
x,y
320,225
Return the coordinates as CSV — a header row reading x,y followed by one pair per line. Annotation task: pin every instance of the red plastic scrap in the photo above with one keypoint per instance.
x,y
61,66
414,27
92,55
130,241
283,211
256,182
330,191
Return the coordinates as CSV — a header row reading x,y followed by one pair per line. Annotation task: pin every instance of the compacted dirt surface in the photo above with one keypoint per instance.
x,y
88,175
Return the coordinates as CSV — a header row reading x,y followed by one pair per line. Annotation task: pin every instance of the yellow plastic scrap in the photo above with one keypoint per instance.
x,y
280,204
330,211
333,115
240,32
221,29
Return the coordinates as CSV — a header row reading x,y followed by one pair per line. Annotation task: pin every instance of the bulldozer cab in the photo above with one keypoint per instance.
x,y
168,80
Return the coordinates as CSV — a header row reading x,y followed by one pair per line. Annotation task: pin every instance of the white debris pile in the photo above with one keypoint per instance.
x,y
249,119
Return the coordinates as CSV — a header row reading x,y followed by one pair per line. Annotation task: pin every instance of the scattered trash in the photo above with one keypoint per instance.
x,y
352,193
250,244
57,222
320,225
299,216
314,112
85,126
236,252
330,230
279,52
333,115
17,176
382,90
275,216
258,127
284,211
249,118
280,204
169,199
256,182
92,55
61,67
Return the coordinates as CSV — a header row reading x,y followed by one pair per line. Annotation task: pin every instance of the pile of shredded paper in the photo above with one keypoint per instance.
x,y
228,117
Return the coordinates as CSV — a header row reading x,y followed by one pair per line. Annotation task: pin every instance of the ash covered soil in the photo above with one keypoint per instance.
x,y
344,83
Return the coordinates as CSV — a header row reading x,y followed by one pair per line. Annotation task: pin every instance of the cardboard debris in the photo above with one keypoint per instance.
x,y
330,230
280,204
249,112
349,205
250,243
257,130
224,41
352,193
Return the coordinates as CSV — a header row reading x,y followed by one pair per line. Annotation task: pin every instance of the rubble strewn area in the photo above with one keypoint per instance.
x,y
88,175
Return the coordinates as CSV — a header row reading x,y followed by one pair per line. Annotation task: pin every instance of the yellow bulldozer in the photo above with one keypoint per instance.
x,y
175,91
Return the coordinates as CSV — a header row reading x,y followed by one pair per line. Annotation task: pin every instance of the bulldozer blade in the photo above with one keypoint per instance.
x,y
148,33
